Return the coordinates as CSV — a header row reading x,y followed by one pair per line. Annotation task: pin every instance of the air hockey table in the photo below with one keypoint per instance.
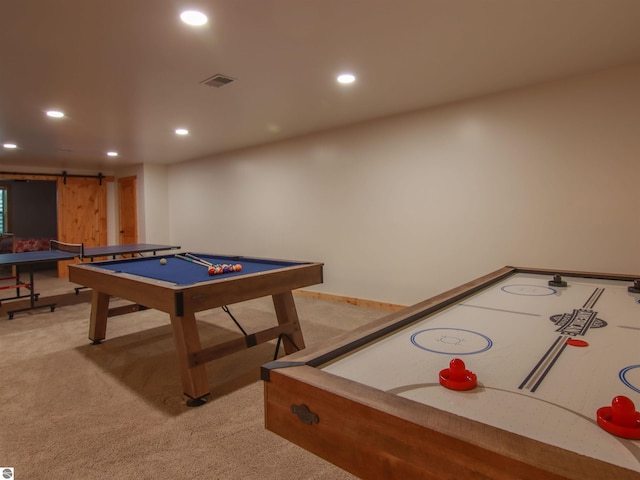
x,y
548,352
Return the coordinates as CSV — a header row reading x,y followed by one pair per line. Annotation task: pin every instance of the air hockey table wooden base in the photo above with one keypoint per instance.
x,y
546,356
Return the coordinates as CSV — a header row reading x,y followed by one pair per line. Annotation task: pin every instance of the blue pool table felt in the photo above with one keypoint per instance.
x,y
182,272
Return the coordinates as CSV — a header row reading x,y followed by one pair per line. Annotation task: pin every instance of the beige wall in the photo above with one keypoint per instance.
x,y
403,208
154,211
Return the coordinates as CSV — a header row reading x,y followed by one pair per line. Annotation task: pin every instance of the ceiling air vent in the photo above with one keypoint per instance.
x,y
218,80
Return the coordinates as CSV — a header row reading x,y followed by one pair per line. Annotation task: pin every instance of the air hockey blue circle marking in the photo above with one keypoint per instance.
x,y
529,290
625,380
488,343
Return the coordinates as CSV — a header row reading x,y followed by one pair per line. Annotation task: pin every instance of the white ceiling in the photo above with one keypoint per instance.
x,y
128,72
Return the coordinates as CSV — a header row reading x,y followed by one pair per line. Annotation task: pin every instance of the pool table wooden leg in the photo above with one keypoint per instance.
x,y
187,342
287,314
98,319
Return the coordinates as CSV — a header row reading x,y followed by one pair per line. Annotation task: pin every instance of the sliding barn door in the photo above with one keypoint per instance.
x,y
82,214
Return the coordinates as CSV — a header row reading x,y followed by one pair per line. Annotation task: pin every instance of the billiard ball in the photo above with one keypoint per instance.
x,y
238,267
212,270
163,261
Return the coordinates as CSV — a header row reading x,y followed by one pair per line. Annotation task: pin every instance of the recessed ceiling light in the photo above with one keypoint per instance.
x,y
112,154
10,145
346,78
182,131
55,113
193,18
273,128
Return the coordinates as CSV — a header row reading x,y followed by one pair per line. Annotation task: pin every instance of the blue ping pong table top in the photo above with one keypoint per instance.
x,y
41,256
22,258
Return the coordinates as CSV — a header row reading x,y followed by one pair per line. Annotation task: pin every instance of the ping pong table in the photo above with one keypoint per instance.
x,y
61,251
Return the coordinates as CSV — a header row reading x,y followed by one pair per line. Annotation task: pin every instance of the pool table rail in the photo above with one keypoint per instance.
x,y
171,298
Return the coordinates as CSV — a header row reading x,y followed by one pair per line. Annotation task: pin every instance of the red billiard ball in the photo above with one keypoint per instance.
x,y
212,270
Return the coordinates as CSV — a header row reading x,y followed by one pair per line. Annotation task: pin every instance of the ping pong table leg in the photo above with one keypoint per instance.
x,y
33,296
99,314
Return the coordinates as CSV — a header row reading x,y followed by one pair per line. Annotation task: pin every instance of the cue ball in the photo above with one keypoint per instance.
x,y
163,261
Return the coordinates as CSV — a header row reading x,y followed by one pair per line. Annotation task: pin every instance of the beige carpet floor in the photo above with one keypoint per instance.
x,y
71,410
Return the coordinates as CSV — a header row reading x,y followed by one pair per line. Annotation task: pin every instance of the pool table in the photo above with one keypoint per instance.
x,y
543,353
182,288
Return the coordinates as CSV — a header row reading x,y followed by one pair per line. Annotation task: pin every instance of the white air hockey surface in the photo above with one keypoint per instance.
x,y
513,337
